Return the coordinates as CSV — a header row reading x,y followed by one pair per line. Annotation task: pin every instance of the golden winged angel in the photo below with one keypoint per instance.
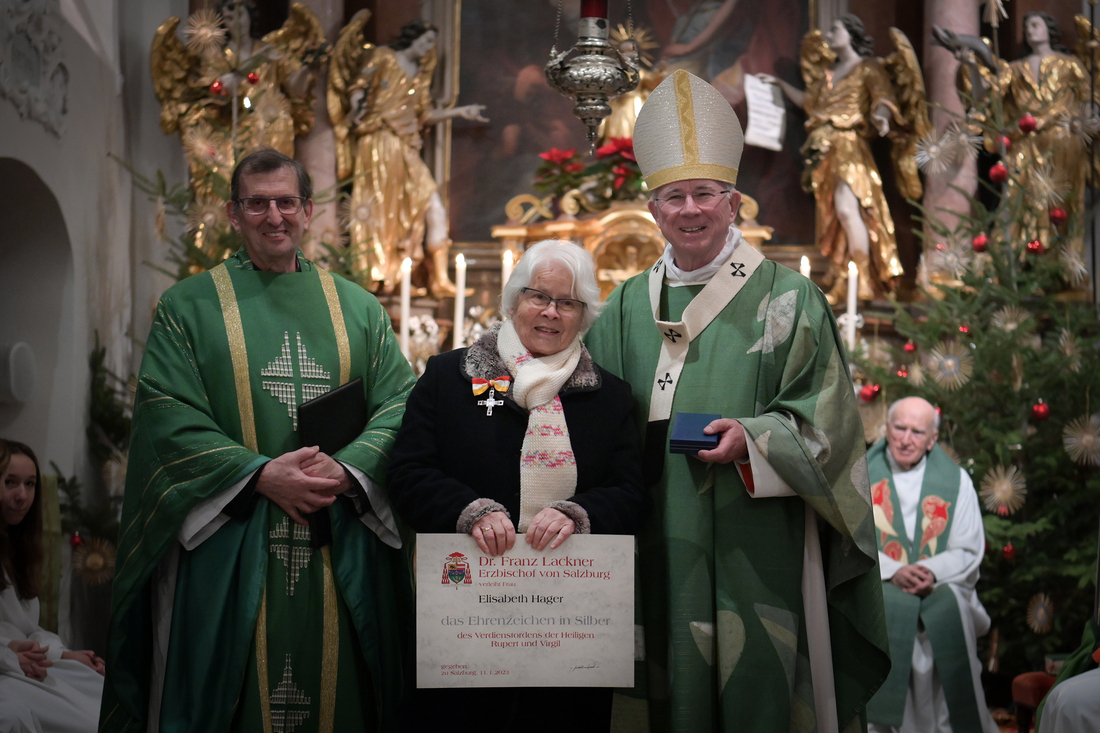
x,y
1053,86
227,92
379,99
851,96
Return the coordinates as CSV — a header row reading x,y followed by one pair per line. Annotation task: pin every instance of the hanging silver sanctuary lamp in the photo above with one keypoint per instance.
x,y
592,71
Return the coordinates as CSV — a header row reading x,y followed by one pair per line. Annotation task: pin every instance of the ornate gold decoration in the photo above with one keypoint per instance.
x,y
1067,344
1040,613
1073,266
1048,186
1010,318
916,374
837,151
934,155
961,141
94,561
591,72
1081,439
204,32
1003,490
951,364
516,212
235,95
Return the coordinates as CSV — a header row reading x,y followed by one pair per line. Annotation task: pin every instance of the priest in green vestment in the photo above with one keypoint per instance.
x,y
760,599
928,524
231,611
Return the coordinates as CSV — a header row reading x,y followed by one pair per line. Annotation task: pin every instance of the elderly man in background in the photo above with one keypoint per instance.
x,y
930,540
231,612
745,627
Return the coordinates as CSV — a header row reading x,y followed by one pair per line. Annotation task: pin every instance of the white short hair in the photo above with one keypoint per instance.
x,y
935,414
573,258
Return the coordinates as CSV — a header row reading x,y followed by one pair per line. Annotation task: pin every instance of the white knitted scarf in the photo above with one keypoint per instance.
x,y
547,469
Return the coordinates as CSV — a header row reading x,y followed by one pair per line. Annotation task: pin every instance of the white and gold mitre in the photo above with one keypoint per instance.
x,y
686,130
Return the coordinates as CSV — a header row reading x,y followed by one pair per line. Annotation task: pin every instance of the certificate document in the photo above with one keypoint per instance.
x,y
556,618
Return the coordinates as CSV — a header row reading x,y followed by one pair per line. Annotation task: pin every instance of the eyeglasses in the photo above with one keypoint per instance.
x,y
257,205
703,199
565,306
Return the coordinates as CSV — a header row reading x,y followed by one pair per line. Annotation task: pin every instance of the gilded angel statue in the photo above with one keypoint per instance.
x,y
1044,103
227,92
379,99
851,96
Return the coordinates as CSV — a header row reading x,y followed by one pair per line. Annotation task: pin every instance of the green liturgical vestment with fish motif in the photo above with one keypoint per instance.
x,y
266,632
720,572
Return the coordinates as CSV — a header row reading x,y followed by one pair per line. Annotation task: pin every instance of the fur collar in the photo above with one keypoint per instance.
x,y
483,360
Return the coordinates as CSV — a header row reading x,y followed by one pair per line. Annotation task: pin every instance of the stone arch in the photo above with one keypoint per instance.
x,y
37,304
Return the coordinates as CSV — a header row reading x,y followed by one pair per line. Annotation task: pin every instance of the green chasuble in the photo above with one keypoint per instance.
x,y
938,614
267,633
720,572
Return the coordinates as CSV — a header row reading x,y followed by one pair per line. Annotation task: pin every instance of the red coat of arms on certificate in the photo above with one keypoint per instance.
x,y
456,569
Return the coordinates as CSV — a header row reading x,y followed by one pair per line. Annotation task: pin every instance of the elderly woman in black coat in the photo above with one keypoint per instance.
x,y
522,433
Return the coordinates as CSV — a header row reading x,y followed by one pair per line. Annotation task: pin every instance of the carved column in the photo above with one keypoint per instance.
x,y
961,16
317,151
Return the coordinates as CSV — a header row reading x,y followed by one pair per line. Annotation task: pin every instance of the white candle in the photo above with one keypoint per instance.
x,y
406,294
853,290
805,268
506,268
460,302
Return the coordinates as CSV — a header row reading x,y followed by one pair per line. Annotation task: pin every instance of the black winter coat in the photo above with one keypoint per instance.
x,y
449,452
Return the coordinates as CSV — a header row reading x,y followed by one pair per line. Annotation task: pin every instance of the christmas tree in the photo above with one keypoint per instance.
x,y
1005,345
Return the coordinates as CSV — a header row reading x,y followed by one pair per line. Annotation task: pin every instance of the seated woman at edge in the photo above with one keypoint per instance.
x,y
460,466
44,687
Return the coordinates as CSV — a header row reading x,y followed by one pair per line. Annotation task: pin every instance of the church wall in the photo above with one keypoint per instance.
x,y
148,150
93,209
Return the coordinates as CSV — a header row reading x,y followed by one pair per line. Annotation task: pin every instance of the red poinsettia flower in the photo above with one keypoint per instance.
x,y
574,168
617,145
558,156
621,174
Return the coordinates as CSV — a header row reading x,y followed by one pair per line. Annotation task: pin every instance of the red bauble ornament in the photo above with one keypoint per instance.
x,y
1058,217
909,347
964,328
980,243
76,540
998,173
1035,247
253,77
1027,123
1009,552
1040,410
1006,141
1002,511
903,372
217,89
869,392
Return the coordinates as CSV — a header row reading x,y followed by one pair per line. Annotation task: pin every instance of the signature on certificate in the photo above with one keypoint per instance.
x,y
590,665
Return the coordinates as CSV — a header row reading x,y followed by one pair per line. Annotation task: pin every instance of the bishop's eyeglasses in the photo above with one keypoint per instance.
x,y
703,199
287,205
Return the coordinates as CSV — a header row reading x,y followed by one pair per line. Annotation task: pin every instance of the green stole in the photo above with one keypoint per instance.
x,y
267,633
720,572
939,612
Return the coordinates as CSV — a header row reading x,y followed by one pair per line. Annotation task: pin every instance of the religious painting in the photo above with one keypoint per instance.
x,y
504,49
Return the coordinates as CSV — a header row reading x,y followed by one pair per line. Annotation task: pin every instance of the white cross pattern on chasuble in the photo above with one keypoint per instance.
x,y
287,391
289,705
295,557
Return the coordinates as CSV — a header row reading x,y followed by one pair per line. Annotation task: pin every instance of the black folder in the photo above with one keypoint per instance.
x,y
330,422
334,419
